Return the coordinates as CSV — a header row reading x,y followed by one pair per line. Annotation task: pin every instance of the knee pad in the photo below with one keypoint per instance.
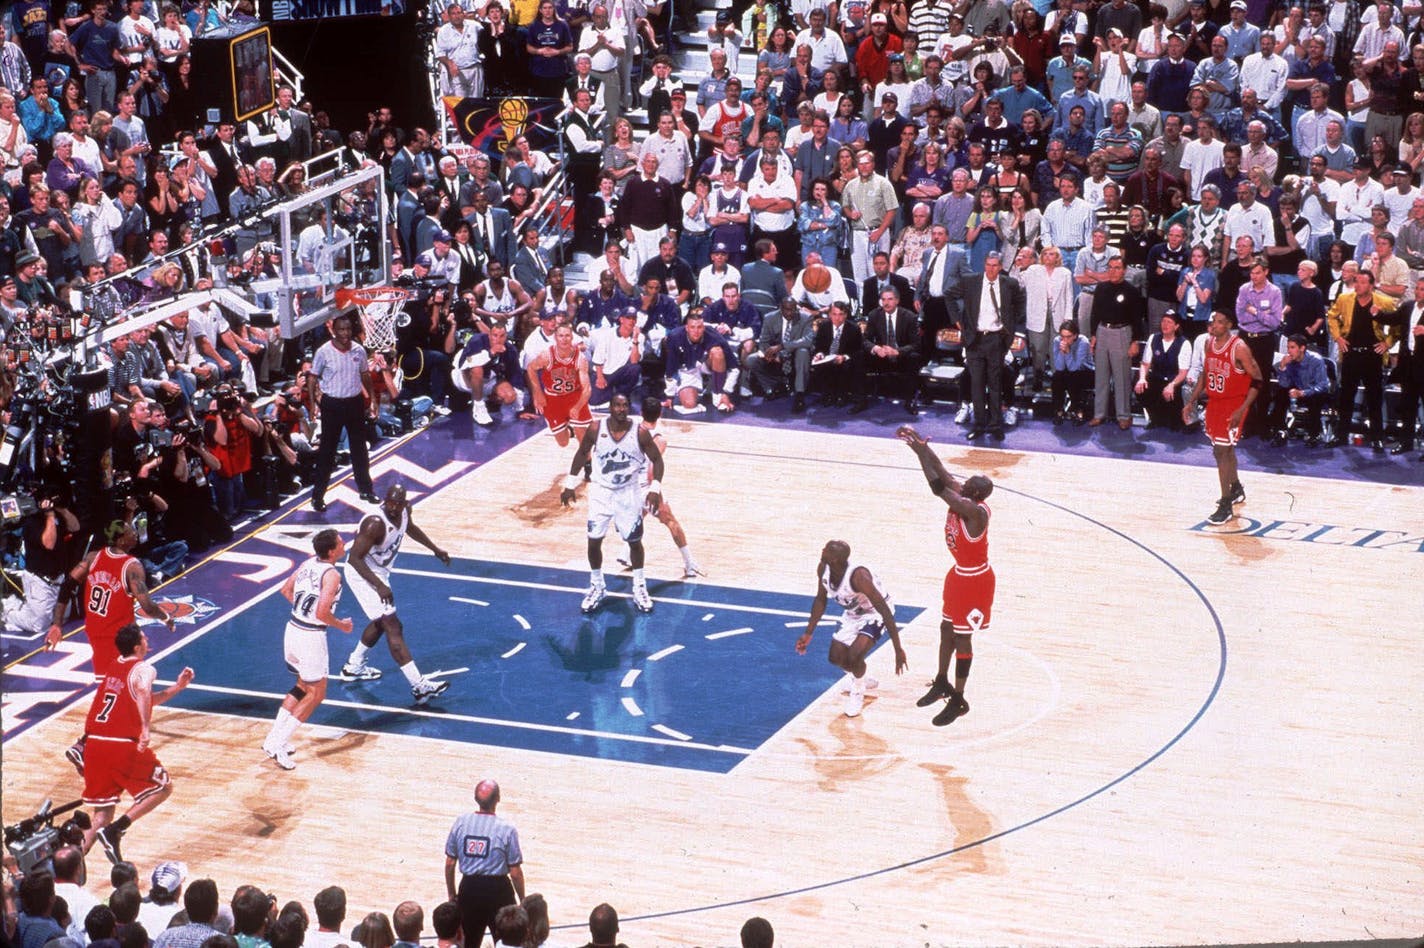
x,y
298,692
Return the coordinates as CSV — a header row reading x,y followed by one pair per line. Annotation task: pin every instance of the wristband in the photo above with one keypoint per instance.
x,y
572,481
655,487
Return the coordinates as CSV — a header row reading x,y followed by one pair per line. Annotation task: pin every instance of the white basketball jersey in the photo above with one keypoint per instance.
x,y
617,462
857,605
383,554
306,593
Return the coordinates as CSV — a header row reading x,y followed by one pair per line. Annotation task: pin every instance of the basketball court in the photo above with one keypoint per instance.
x,y
1178,733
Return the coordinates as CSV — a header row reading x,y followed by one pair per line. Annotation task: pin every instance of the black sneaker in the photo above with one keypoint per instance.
x,y
75,755
1222,513
109,837
939,690
1237,495
953,708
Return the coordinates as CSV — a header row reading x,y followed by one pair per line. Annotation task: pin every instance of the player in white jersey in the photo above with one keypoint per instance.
x,y
869,614
618,450
368,573
313,590
651,423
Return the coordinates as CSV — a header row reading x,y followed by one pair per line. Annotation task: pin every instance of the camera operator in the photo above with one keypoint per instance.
x,y
131,440
289,428
184,485
48,534
425,339
144,511
230,430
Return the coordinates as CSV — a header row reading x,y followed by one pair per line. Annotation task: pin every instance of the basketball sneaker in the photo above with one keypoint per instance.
x,y
1238,494
75,755
1222,513
361,672
867,683
480,411
953,708
939,690
109,837
425,689
641,600
281,756
962,416
854,702
692,571
593,599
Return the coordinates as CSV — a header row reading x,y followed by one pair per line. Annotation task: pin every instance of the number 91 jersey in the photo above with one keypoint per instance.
x,y
108,607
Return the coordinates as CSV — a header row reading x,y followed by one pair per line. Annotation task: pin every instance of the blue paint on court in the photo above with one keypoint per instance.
x,y
609,686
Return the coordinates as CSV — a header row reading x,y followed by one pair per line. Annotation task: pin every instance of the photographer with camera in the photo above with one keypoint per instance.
x,y
425,341
229,430
289,432
184,483
48,538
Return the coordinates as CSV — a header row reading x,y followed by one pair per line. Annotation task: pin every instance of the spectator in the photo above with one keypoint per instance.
x,y
603,920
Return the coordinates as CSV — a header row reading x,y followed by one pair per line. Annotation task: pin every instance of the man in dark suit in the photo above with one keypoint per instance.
x,y
839,359
892,343
788,335
1409,372
426,227
449,182
531,262
881,279
943,269
404,164
993,320
490,229
226,159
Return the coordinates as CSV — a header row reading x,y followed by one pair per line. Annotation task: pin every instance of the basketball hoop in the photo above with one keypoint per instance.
x,y
379,305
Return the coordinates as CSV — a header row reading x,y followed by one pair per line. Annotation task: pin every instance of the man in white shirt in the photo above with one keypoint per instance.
x,y
1247,218
1311,124
1199,157
1317,205
457,47
1266,73
1400,198
1357,199
604,43
136,35
1370,43
827,49
771,196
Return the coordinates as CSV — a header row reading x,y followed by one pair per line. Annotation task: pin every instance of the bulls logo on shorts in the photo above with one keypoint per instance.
x,y
975,619
477,846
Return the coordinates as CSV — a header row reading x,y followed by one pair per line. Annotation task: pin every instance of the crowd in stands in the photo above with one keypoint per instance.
x,y
60,907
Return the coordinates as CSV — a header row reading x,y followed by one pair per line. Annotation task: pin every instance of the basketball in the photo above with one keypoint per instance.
x,y
816,278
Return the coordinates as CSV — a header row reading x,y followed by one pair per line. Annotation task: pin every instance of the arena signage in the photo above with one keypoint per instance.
x,y
1322,534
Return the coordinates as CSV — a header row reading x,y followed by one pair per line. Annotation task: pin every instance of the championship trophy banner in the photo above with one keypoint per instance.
x,y
492,125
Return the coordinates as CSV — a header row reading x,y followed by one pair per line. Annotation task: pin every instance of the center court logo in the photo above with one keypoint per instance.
x,y
1321,534
184,610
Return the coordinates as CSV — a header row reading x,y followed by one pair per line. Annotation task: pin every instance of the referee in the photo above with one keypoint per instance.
x,y
486,848
338,382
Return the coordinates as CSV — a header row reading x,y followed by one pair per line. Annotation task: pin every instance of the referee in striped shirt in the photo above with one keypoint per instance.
x,y
338,384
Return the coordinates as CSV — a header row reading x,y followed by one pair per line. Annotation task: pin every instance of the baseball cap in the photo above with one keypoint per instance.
x,y
1403,168
1115,32
25,259
628,312
878,18
424,259
724,16
1238,4
1364,163
548,314
1068,38
443,236
720,247
169,876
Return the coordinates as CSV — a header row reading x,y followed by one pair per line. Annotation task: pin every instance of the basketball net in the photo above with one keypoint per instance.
x,y
379,307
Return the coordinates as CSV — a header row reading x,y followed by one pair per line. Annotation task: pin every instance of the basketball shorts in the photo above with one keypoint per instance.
x,y
562,412
623,509
461,382
853,627
969,600
1217,423
305,651
106,653
115,765
694,378
366,595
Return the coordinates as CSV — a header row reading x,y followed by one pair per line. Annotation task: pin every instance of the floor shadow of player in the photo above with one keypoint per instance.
x,y
851,754
969,822
543,508
600,642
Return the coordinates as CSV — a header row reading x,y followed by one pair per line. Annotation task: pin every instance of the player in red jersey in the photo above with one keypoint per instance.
x,y
120,759
112,580
969,584
558,380
1232,380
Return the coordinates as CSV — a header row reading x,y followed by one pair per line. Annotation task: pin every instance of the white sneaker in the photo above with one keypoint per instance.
x,y
280,757
853,703
361,672
441,410
480,411
425,689
866,684
1011,416
593,598
641,600
961,416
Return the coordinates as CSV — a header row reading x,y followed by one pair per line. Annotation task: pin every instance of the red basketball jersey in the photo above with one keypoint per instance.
x,y
561,376
1225,380
108,607
971,554
115,712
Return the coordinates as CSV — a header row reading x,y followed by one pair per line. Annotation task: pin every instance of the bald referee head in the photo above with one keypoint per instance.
x,y
487,795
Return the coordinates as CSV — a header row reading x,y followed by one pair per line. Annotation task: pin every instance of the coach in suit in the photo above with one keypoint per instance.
x,y
404,164
223,152
1409,371
892,344
880,278
788,334
531,262
426,227
408,211
943,269
491,230
840,359
993,320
